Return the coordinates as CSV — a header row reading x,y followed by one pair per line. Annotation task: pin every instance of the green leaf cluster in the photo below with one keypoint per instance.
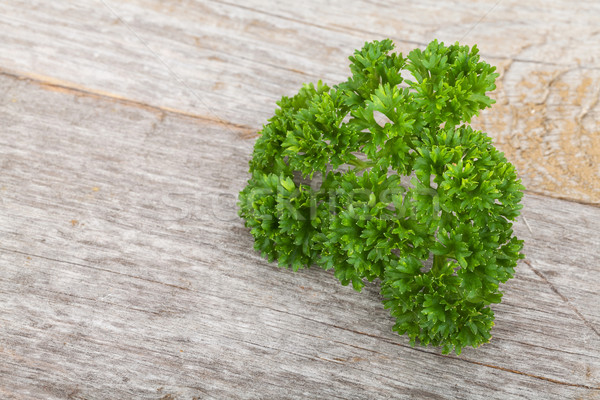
x,y
381,177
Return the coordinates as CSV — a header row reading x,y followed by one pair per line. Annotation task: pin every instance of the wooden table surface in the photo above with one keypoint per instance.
x,y
125,132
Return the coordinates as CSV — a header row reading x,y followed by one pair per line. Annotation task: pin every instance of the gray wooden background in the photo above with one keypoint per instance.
x,y
125,132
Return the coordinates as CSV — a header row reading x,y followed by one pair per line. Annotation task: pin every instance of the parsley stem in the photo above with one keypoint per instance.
x,y
360,164
438,264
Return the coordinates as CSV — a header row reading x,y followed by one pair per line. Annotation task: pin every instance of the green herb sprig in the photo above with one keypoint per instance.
x,y
381,177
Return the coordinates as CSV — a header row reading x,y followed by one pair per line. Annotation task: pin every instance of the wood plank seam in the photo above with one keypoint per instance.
x,y
479,20
371,34
578,354
94,268
70,88
594,388
566,300
497,367
565,198
244,132
558,382
165,64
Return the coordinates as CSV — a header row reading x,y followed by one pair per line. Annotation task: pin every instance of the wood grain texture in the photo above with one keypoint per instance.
x,y
125,130
125,273
229,62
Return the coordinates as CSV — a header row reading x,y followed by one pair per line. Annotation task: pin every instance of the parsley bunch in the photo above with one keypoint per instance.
x,y
381,177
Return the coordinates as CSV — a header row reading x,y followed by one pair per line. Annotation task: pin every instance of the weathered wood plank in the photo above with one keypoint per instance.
x,y
124,273
230,62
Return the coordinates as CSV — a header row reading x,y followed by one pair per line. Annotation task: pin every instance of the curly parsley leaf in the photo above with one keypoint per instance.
x,y
380,177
